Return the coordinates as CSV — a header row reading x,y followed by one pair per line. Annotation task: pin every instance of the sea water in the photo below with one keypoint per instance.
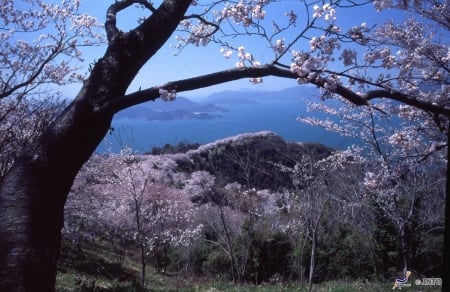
x,y
273,115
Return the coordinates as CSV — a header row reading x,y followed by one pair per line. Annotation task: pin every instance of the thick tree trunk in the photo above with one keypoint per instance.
x,y
33,193
32,200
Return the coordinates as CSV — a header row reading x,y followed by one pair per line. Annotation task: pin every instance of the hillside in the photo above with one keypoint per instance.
x,y
252,208
251,159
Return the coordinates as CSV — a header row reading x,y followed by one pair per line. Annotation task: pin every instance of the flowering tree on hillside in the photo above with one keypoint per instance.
x,y
318,201
403,150
34,190
131,205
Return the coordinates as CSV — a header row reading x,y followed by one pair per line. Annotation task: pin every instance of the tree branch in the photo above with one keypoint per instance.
x,y
111,18
111,15
153,93
53,54
220,77
406,99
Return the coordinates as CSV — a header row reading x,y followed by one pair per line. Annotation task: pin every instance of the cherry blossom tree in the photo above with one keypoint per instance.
x,y
85,202
34,190
412,58
133,185
39,50
133,204
401,148
317,202
20,123
226,218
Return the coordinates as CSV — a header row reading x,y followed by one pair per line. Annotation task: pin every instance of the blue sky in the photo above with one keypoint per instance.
x,y
193,61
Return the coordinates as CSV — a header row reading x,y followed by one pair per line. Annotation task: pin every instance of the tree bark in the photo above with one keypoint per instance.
x,y
32,199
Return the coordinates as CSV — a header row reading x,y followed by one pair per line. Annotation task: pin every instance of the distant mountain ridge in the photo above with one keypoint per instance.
x,y
252,97
180,108
210,107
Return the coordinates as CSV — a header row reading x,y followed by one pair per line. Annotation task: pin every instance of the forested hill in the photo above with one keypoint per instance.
x,y
250,159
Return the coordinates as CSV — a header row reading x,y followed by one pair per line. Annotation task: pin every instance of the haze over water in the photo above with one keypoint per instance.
x,y
257,113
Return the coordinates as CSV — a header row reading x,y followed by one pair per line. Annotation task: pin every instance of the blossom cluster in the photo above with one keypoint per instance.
x,y
306,66
39,51
348,57
131,200
42,38
358,34
326,11
167,95
326,45
279,47
399,4
226,52
243,12
243,57
199,34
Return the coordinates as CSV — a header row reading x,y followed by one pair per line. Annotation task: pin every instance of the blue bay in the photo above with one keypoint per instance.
x,y
278,116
